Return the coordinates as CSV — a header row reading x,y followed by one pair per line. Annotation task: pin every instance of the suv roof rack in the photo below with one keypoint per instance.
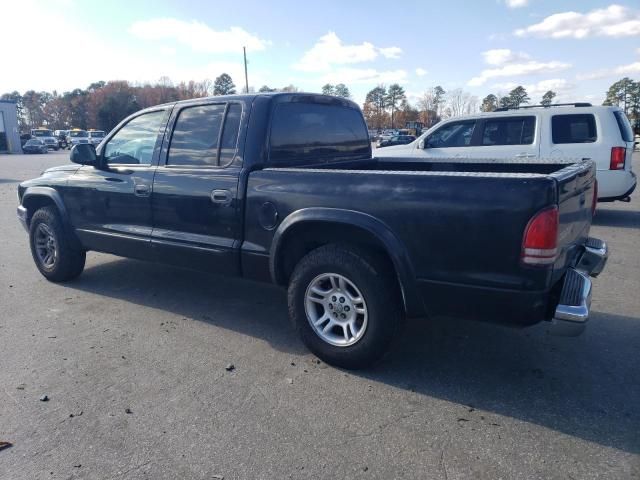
x,y
577,104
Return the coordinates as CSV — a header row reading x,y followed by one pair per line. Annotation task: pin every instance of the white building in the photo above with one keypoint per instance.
x,y
9,133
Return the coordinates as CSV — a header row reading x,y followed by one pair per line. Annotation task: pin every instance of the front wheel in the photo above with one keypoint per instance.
x,y
51,249
345,305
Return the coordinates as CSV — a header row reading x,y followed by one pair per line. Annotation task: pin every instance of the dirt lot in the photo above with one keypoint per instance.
x,y
132,357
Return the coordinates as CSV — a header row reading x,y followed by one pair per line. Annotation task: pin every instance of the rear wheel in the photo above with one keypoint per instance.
x,y
51,249
345,305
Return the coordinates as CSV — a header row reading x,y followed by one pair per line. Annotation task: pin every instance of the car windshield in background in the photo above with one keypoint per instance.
x,y
33,143
96,134
42,133
78,133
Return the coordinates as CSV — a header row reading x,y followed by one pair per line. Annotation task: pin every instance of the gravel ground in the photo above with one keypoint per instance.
x,y
133,358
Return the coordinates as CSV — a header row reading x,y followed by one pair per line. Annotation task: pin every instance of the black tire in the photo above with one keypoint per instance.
x,y
378,287
67,262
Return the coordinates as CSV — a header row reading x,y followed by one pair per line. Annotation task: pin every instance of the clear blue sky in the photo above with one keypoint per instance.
x,y
576,48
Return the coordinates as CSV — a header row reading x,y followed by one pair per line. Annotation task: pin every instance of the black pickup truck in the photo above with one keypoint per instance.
x,y
283,188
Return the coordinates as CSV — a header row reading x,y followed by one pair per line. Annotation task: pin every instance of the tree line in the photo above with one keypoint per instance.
x,y
103,105
625,93
388,107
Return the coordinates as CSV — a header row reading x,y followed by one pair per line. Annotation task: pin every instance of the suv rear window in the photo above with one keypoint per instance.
x,y
623,124
303,133
574,128
509,131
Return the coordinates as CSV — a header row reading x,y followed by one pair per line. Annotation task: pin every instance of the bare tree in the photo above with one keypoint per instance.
x,y
460,103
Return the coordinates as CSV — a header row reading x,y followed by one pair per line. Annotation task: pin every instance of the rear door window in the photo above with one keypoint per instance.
x,y
574,128
304,133
509,131
195,137
624,126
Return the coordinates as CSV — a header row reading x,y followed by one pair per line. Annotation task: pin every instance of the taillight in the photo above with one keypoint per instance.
x,y
617,158
594,201
540,241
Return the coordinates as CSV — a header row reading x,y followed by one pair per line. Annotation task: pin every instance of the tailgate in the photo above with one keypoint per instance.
x,y
576,190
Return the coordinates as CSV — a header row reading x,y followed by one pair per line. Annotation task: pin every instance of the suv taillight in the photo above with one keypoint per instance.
x,y
617,158
594,201
540,241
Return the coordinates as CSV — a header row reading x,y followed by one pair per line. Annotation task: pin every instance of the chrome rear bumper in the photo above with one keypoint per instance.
x,y
594,258
572,312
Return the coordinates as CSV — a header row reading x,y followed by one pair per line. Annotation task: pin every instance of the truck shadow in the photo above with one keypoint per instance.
x,y
587,387
617,218
251,308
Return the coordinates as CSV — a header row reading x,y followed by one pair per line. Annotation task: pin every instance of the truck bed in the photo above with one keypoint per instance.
x,y
447,215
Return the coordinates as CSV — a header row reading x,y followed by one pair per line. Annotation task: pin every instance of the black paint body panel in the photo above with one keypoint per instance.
x,y
452,230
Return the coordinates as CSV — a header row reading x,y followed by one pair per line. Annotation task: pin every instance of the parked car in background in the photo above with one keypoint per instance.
x,y
35,145
396,140
46,136
283,188
24,138
61,135
95,136
577,130
77,137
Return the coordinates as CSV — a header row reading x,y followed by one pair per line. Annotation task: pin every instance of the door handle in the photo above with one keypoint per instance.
x,y
141,190
221,196
525,155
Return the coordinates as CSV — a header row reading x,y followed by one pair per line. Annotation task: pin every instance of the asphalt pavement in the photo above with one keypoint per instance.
x,y
153,372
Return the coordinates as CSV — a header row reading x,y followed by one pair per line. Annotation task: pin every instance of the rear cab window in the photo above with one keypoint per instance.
x,y
509,131
624,126
573,128
305,133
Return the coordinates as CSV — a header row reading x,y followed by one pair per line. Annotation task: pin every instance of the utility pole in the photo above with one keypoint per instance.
x,y
246,78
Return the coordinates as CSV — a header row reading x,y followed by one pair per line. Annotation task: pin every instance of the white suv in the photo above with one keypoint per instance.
x,y
577,130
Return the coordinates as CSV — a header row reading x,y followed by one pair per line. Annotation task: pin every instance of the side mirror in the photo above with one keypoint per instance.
x,y
84,154
422,144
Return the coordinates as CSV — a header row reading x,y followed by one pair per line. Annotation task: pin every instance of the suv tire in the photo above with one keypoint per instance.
x,y
51,247
345,305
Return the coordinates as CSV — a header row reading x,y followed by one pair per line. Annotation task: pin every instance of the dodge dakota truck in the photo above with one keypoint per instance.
x,y
283,188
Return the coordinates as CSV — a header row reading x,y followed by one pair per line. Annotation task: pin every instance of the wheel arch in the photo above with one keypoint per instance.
x,y
309,228
38,197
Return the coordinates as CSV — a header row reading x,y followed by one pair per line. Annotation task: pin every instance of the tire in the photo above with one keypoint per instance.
x,y
51,247
344,275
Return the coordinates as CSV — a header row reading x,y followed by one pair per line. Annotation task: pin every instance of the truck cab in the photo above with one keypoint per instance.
x,y
46,136
95,136
77,137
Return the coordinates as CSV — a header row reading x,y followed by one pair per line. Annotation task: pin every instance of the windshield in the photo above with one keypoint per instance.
x,y
78,133
96,134
42,133
33,142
